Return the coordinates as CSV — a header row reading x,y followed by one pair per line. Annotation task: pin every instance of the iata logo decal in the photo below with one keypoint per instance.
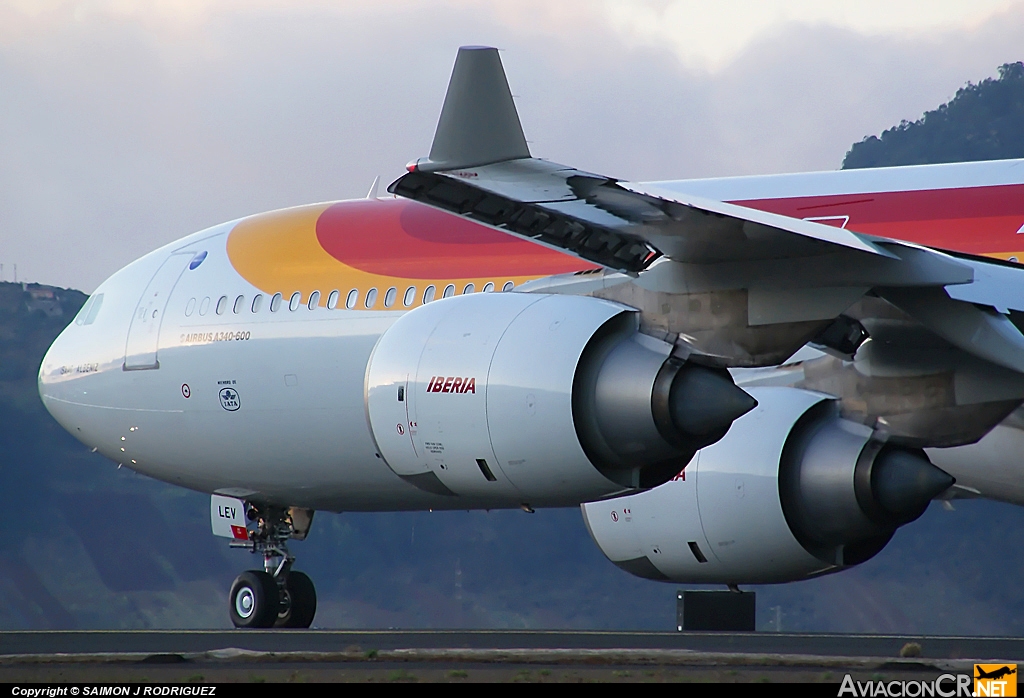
x,y
229,399
452,384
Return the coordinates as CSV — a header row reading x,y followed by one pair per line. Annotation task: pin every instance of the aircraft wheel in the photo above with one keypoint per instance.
x,y
299,605
254,600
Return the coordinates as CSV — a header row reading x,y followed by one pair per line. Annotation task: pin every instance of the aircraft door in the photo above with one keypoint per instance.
x,y
144,332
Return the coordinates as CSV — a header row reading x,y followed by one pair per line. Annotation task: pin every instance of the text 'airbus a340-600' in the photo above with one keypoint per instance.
x,y
739,380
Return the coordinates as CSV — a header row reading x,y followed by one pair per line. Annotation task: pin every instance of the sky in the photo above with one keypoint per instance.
x,y
125,124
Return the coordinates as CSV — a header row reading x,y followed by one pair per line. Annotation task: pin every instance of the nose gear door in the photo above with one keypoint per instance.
x,y
144,332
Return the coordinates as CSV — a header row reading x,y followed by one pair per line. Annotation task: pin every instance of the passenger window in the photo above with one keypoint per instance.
x,y
371,298
295,302
428,294
488,287
239,304
204,307
389,297
508,286
222,305
190,307
410,296
314,300
332,300
470,288
275,302
353,298
449,291
257,302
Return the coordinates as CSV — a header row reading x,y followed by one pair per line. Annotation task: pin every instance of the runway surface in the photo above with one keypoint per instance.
x,y
192,641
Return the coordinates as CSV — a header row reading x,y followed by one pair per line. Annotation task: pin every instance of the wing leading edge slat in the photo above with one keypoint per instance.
x,y
617,249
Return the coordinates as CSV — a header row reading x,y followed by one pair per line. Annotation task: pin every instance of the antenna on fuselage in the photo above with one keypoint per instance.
x,y
373,188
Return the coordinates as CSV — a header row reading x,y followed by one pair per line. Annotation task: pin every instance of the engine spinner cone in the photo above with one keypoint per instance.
x,y
904,482
704,401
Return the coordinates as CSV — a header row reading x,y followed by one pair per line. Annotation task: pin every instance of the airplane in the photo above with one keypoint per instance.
x,y
739,380
995,673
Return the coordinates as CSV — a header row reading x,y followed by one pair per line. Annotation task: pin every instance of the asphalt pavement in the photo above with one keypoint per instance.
x,y
191,641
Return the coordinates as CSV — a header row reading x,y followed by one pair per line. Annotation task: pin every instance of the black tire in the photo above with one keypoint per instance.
x,y
299,606
254,600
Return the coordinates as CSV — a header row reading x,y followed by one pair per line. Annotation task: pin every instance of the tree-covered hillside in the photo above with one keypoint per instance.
x,y
982,122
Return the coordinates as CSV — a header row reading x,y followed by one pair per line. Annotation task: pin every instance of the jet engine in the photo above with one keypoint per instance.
x,y
792,491
544,400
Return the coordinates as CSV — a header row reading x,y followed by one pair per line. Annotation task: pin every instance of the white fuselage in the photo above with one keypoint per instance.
x,y
301,433
141,377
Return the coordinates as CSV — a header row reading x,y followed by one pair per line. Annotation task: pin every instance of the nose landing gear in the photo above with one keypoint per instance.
x,y
275,596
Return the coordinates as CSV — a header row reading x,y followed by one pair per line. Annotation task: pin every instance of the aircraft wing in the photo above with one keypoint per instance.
x,y
791,270
480,167
619,225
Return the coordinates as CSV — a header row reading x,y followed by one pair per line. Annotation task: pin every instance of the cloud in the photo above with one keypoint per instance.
x,y
124,128
713,34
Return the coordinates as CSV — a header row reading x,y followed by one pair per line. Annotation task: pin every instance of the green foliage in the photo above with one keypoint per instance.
x,y
982,122
402,676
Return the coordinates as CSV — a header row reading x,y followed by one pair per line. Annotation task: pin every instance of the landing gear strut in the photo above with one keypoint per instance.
x,y
275,596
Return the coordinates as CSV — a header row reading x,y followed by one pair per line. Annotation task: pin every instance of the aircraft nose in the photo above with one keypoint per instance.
x,y
70,374
57,367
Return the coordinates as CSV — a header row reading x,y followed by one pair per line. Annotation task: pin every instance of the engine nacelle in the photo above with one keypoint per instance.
x,y
508,398
792,491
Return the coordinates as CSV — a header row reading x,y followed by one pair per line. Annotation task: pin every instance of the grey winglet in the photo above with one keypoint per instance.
x,y
479,124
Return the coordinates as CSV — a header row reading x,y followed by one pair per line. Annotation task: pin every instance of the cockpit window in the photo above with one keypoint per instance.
x,y
84,311
94,310
87,315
